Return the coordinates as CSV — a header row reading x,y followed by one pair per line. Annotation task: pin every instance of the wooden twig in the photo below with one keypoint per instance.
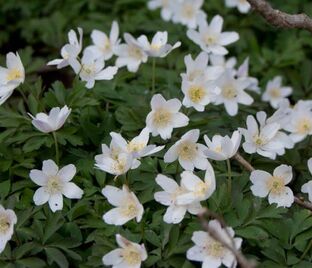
x,y
281,19
250,168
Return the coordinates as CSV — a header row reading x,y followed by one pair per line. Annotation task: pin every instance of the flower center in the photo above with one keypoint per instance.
x,y
14,74
218,149
135,52
275,93
162,118
229,92
131,255
201,189
119,166
4,224
155,47
187,150
54,185
210,39
259,141
215,249
188,11
134,146
276,185
130,210
304,126
88,69
196,93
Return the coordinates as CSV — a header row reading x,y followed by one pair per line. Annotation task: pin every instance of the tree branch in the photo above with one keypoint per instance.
x,y
281,19
250,168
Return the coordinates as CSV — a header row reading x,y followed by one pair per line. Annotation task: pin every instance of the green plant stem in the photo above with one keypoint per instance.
x,y
153,75
228,163
57,155
306,250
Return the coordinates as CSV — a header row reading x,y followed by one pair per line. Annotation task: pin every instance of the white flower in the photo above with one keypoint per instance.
x,y
242,5
232,92
167,7
53,121
12,76
211,252
7,220
210,38
70,51
104,46
165,116
127,205
266,139
54,184
158,47
242,74
188,12
221,62
222,148
92,68
275,186
197,190
198,93
307,187
275,93
189,153
175,212
130,54
128,255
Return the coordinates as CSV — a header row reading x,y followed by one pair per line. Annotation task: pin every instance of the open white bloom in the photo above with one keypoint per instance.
x,y
92,68
188,12
167,7
242,5
197,190
175,212
103,46
130,54
189,153
210,38
127,205
7,220
211,252
307,187
275,186
275,92
70,51
128,255
11,76
232,92
299,122
165,116
53,121
54,184
222,148
265,139
158,47
199,93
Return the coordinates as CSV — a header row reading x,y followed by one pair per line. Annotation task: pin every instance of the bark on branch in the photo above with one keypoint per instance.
x,y
281,19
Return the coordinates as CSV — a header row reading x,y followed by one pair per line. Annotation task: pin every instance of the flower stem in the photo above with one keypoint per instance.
x,y
153,75
228,163
57,156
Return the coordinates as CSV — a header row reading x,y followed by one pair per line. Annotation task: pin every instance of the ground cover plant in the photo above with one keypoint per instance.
x,y
155,133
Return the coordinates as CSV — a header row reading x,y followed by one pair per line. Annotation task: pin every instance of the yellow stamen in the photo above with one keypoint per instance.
x,y
14,74
187,150
276,185
196,93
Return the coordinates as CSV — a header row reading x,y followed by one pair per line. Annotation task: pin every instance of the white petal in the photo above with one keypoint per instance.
x,y
41,196
72,191
56,202
113,257
171,155
284,172
283,200
174,214
67,173
114,195
168,184
116,216
49,167
38,177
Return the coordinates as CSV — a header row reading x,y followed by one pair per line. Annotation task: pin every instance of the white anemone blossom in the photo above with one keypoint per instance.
x,y
266,138
54,183
273,185
212,253
232,93
128,255
242,5
210,37
103,45
159,46
222,147
275,92
130,54
53,121
7,221
11,76
307,187
70,51
167,7
127,205
92,68
188,151
165,116
168,197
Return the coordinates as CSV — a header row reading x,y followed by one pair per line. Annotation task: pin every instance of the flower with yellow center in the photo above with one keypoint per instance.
x,y
14,74
131,255
276,185
162,118
304,125
196,94
7,221
187,150
214,248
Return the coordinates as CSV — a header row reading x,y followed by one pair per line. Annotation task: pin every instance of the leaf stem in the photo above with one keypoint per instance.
x,y
228,163
57,155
